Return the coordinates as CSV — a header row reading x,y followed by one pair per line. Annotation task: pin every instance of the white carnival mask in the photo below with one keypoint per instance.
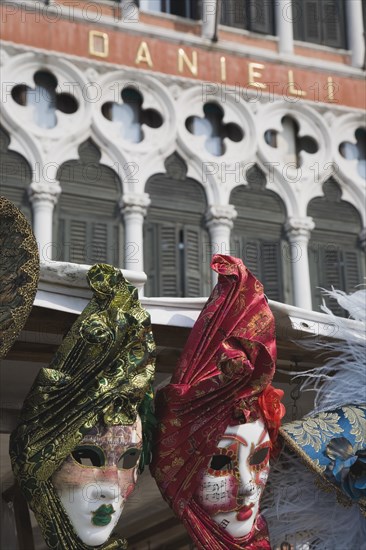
x,y
94,482
232,485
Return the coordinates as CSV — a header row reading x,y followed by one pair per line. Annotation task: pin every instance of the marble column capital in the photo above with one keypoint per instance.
x,y
299,228
45,193
135,203
221,215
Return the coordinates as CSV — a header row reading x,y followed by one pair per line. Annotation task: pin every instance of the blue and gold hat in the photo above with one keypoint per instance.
x,y
333,445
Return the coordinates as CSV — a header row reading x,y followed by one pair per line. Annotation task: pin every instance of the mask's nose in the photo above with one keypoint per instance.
x,y
247,485
105,488
109,492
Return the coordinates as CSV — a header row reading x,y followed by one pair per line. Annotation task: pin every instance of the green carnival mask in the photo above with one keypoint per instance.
x,y
100,375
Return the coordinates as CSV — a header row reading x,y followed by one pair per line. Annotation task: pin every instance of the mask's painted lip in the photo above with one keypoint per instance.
x,y
103,515
245,512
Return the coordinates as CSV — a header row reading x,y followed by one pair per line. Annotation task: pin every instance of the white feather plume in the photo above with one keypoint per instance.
x,y
296,509
342,379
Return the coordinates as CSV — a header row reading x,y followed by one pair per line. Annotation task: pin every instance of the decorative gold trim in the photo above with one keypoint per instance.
x,y
19,272
105,38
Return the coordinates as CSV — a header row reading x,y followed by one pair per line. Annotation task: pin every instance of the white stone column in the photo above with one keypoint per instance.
x,y
134,208
219,222
298,232
356,32
210,18
43,198
284,25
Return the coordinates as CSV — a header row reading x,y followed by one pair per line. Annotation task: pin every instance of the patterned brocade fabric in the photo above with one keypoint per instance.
x,y
332,444
228,360
102,372
19,273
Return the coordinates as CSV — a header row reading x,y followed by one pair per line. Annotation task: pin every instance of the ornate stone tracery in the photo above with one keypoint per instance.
x,y
297,145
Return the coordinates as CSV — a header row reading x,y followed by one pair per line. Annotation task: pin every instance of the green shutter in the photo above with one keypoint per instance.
x,y
272,276
314,269
333,23
192,261
101,247
87,217
352,270
320,22
151,258
195,9
311,18
258,232
168,265
233,13
334,253
175,240
15,176
336,267
263,259
78,241
333,267
87,242
332,274
261,16
251,250
297,14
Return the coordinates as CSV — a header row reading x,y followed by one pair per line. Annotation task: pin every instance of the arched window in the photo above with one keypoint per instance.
x,y
176,244
87,221
15,176
257,236
335,256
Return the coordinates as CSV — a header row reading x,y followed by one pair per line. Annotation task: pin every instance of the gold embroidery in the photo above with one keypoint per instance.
x,y
356,417
315,431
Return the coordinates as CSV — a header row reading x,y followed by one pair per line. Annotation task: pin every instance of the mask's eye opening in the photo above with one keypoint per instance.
x,y
221,463
259,456
88,455
129,459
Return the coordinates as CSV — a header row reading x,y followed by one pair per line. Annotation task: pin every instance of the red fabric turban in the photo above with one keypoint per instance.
x,y
228,361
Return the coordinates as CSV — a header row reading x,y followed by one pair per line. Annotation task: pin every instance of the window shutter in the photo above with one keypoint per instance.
x,y
151,257
271,270
195,9
333,23
261,16
331,268
77,241
312,21
298,19
251,256
168,265
352,271
15,176
233,13
60,233
98,248
315,268
192,258
263,259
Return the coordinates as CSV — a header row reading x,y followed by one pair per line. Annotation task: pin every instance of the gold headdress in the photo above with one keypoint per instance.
x,y
102,371
19,272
